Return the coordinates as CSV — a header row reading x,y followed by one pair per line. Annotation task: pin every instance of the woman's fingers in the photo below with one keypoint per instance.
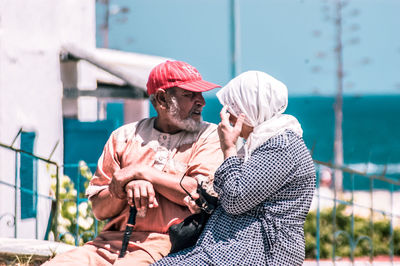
x,y
186,200
224,125
239,123
222,114
191,204
195,195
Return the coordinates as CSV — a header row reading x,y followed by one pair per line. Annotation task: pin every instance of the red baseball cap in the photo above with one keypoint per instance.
x,y
177,74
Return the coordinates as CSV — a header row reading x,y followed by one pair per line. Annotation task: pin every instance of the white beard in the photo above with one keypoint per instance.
x,y
187,124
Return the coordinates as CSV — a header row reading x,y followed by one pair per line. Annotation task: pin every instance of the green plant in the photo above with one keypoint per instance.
x,y
75,217
22,260
379,231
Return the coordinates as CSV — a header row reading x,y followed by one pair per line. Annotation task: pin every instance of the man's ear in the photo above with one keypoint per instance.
x,y
160,97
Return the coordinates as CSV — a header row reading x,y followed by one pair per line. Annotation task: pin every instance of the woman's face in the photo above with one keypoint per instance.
x,y
246,130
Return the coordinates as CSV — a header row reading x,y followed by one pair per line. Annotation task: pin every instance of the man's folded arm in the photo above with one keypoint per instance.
x,y
164,183
105,206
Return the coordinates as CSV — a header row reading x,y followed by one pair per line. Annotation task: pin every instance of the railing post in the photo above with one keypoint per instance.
x,y
352,240
318,220
334,218
371,188
16,196
35,188
78,187
391,225
57,203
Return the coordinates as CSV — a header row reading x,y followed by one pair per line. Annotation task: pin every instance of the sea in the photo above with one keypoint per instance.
x,y
371,131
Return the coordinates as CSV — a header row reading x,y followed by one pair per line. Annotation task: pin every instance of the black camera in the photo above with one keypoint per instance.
x,y
206,202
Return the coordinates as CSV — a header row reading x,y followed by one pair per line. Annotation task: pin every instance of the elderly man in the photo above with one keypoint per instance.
x,y
142,165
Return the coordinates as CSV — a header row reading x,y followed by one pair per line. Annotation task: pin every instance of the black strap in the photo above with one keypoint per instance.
x,y
128,231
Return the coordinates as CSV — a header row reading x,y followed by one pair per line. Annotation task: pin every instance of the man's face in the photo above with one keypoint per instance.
x,y
185,108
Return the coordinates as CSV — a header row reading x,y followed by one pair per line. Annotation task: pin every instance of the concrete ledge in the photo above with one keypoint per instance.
x,y
31,251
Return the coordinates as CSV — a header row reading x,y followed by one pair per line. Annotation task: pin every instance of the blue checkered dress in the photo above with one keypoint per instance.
x,y
264,203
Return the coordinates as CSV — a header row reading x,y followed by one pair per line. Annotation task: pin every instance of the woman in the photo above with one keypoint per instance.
x,y
265,190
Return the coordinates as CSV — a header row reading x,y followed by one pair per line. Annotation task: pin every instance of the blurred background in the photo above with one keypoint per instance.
x,y
319,49
73,71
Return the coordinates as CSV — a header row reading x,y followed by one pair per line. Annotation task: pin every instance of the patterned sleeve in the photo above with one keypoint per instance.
x,y
108,163
206,158
242,186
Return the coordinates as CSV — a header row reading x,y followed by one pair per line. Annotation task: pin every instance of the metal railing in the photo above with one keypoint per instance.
x,y
52,223
71,224
347,199
65,197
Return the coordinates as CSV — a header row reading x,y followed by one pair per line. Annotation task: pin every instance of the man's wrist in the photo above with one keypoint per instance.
x,y
142,173
126,175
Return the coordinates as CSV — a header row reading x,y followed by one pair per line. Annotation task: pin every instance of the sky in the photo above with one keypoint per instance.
x,y
292,40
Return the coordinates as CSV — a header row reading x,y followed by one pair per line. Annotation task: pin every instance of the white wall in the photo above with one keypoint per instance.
x,y
136,109
31,36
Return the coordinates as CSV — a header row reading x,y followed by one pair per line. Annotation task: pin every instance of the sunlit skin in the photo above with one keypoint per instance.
x,y
190,107
246,130
137,183
229,130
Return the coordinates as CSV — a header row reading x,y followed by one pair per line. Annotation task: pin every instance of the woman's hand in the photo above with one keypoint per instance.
x,y
228,134
191,204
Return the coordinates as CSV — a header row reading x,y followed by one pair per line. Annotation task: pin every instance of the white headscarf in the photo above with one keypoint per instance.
x,y
262,99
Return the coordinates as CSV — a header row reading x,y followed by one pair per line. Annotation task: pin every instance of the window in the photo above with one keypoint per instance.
x,y
28,176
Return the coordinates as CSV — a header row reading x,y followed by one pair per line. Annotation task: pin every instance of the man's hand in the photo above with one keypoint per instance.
x,y
140,193
122,177
164,183
116,187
